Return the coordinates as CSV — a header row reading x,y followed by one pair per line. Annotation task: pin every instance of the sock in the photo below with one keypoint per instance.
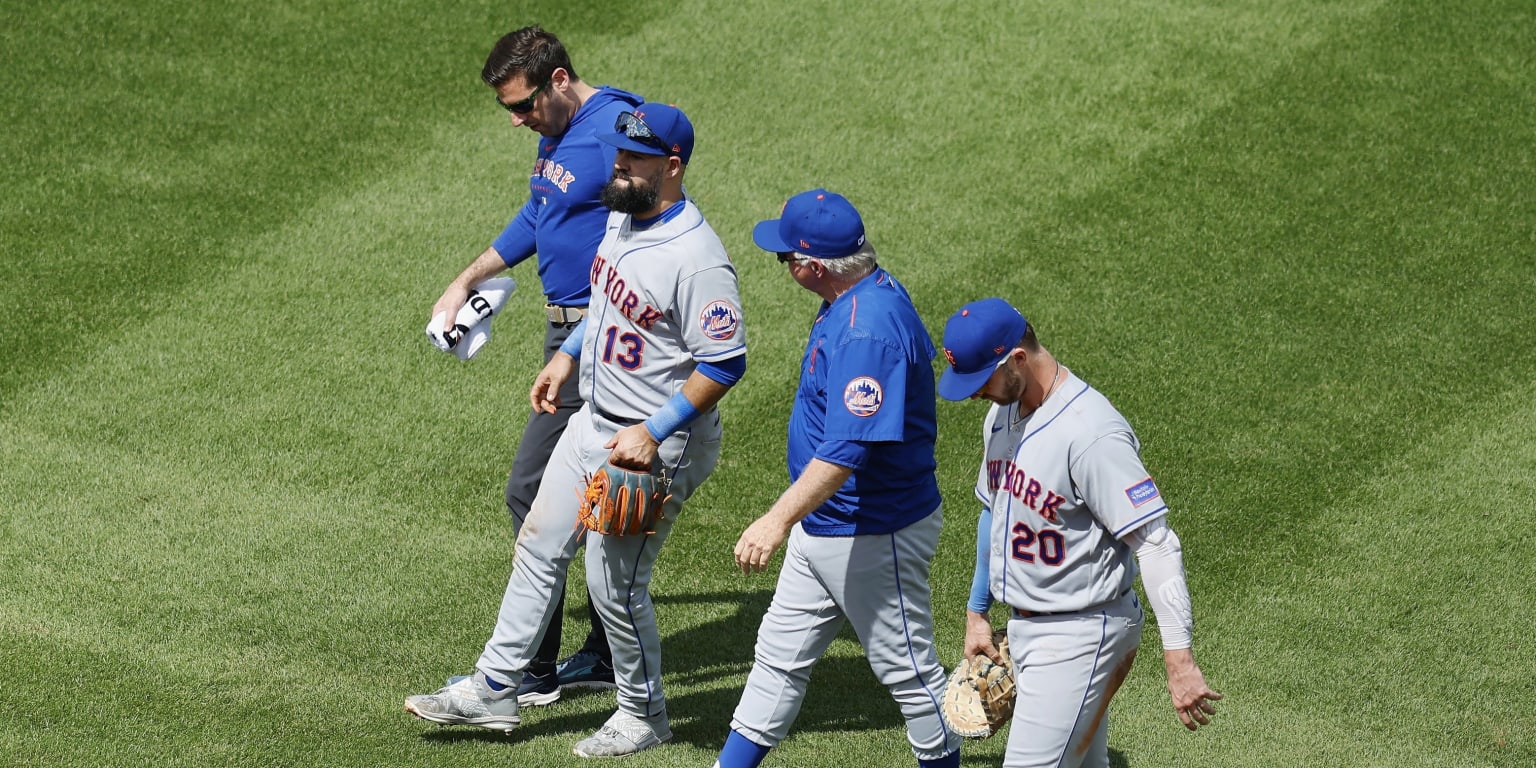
x,y
495,686
741,752
951,760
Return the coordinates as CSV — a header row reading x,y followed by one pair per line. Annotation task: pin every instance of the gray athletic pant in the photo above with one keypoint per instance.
x,y
618,567
1068,666
878,584
538,442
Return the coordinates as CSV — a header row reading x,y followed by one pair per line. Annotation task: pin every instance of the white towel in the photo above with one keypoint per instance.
x,y
472,327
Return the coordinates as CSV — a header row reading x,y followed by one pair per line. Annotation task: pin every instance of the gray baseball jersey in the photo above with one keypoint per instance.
x,y
663,300
1064,484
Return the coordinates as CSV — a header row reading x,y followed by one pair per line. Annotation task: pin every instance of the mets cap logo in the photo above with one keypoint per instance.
x,y
719,320
863,396
950,356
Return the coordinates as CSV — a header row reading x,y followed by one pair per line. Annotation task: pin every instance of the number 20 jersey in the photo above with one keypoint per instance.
x,y
1064,484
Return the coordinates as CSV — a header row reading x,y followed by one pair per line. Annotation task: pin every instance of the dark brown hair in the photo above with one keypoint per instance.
x,y
530,52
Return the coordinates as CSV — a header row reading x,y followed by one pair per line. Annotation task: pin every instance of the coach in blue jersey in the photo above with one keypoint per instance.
x,y
562,222
862,513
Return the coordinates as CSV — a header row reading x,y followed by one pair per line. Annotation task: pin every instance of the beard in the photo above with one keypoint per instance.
x,y
634,195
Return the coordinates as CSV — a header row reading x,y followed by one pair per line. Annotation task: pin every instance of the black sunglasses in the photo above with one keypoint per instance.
x,y
632,126
786,257
526,105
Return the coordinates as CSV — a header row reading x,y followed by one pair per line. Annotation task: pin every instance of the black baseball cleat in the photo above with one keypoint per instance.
x,y
585,669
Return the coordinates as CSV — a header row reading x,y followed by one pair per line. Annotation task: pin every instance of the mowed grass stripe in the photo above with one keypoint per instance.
x,y
247,411
1396,635
1298,298
144,143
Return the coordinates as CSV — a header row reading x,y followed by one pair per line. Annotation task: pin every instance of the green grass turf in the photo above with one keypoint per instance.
x,y
248,508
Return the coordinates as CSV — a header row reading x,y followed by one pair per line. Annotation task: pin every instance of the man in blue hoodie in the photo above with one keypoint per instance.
x,y
562,222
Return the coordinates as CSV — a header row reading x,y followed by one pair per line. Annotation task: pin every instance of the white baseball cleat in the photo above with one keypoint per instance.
x,y
623,734
467,702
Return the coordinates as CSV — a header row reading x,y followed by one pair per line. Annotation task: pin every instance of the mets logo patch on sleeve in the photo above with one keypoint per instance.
x,y
863,396
1142,492
719,320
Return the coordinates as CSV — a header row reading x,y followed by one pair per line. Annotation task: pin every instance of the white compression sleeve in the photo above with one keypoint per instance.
x,y
1162,574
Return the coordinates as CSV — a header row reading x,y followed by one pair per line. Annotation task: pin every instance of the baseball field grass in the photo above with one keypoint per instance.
x,y
247,508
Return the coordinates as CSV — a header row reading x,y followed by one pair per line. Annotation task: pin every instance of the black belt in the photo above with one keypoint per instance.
x,y
616,419
1020,613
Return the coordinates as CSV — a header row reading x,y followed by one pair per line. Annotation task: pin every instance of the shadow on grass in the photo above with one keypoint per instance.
x,y
705,666
971,757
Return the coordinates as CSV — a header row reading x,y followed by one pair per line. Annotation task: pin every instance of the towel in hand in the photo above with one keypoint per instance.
x,y
471,329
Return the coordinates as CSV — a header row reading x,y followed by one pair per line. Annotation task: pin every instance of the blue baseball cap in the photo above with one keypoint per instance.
x,y
653,129
976,338
816,223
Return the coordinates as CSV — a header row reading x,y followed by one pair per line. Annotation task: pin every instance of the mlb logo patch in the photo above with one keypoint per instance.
x,y
1142,492
862,396
719,320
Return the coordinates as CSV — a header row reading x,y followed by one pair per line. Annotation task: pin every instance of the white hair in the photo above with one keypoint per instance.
x,y
854,265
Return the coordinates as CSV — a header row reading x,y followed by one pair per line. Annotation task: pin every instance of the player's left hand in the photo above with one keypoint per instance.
x,y
758,543
1193,700
633,448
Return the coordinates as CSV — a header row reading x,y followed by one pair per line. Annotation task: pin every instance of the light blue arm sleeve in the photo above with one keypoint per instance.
x,y
572,344
981,593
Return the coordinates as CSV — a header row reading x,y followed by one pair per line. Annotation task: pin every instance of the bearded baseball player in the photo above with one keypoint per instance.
x,y
663,341
862,513
1066,503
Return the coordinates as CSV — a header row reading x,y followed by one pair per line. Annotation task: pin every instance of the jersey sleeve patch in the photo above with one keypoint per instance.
x,y
863,396
719,320
1142,492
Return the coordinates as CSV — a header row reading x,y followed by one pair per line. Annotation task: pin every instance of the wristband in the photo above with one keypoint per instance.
x,y
673,416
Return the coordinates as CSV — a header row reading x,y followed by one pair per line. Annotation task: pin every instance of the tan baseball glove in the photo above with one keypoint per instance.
x,y
980,695
622,502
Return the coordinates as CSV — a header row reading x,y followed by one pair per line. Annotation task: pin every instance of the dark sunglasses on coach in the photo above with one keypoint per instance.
x,y
526,105
632,126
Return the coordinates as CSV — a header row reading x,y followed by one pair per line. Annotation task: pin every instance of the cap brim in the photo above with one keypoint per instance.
x,y
766,235
624,142
963,386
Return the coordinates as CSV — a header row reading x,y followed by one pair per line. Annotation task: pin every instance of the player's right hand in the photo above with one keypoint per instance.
x,y
545,394
978,637
758,543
